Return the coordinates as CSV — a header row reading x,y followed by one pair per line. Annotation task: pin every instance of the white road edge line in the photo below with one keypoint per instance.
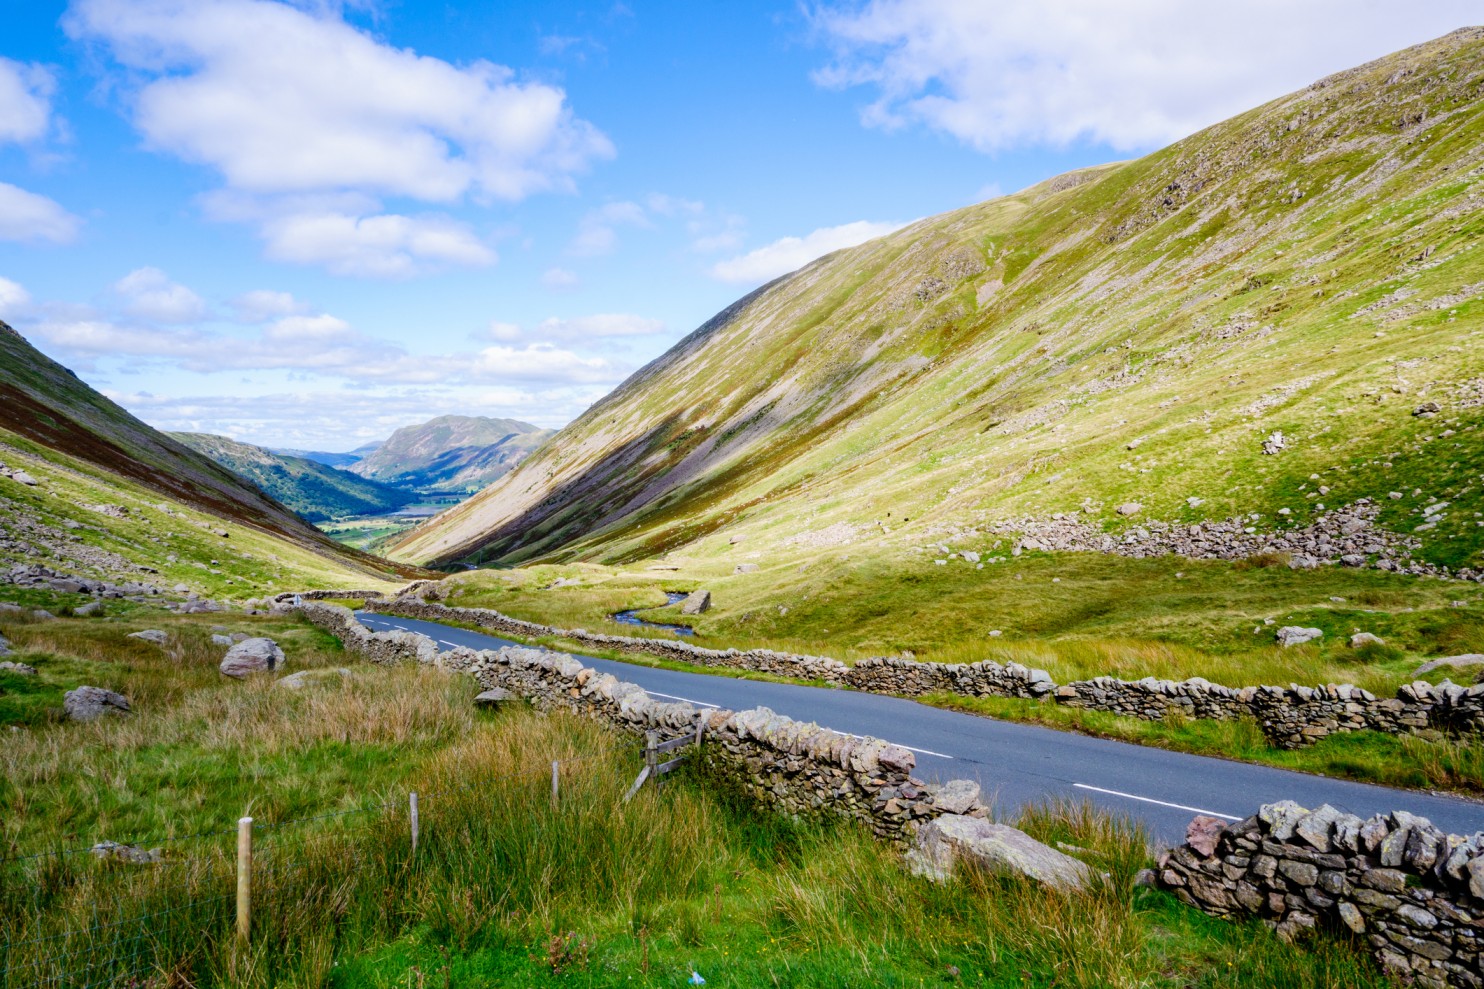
x,y
1151,800
447,643
899,745
656,693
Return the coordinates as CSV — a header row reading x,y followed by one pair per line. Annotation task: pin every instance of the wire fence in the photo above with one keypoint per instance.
x,y
158,912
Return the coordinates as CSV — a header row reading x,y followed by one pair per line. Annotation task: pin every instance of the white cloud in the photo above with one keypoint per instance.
x,y
25,101
597,232
261,305
280,99
791,253
503,332
384,246
13,298
1015,72
305,117
28,217
543,362
599,325
148,293
559,279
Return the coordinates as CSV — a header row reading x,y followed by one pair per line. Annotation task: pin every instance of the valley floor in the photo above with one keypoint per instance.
x,y
507,887
1076,615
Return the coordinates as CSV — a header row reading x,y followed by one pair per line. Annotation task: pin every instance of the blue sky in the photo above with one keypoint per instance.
x,y
308,224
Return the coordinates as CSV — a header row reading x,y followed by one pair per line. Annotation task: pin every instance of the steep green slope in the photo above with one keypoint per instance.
x,y
113,495
1124,337
315,491
451,453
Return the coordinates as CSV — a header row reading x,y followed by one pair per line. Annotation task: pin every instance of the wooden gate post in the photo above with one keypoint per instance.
x,y
412,815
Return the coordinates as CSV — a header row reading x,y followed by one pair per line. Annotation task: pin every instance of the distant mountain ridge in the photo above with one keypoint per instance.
x,y
84,446
1274,315
314,490
453,454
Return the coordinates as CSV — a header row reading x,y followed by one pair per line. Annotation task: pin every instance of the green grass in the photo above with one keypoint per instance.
x,y
507,889
1103,616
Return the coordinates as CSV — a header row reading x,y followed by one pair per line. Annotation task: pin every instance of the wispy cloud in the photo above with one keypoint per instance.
x,y
790,253
31,218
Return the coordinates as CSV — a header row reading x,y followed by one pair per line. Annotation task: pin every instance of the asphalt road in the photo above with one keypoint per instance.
x,y
1020,764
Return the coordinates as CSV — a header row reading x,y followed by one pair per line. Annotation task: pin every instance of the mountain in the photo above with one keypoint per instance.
x,y
314,490
90,486
318,456
1118,347
451,453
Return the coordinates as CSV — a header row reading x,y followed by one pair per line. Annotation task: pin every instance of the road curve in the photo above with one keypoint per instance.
x,y
1019,764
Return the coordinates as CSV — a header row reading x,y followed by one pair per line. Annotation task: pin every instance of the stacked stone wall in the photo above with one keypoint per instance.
x,y
1414,894
1292,716
798,768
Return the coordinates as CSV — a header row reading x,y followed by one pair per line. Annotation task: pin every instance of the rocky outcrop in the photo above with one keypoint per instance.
x,y
92,703
696,602
952,838
1415,894
1345,535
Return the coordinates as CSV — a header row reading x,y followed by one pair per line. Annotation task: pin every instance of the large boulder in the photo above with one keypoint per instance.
x,y
1294,635
258,655
951,838
91,703
695,603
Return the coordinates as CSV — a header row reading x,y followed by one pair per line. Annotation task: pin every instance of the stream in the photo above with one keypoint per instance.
x,y
632,617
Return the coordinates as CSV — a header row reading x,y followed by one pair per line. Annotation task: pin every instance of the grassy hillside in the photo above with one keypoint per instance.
x,y
1128,335
315,491
451,453
114,497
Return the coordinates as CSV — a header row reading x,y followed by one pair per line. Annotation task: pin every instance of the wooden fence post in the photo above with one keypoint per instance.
x,y
556,776
244,880
412,815
651,755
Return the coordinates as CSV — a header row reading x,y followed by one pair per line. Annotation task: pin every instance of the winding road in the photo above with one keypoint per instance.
x,y
1016,763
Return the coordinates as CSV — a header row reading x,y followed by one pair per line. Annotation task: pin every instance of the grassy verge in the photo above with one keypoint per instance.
x,y
507,889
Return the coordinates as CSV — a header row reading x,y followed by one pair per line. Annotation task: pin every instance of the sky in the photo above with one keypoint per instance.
x,y
306,224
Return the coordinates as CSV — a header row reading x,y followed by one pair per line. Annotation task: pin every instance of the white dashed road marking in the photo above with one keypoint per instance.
x,y
1151,800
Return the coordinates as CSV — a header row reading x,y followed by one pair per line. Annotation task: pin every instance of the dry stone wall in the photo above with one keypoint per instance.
x,y
801,769
1292,716
1413,893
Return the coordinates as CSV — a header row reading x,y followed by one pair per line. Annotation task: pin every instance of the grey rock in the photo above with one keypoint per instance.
x,y
1130,508
745,568
19,669
957,796
1293,635
1365,639
1467,659
493,697
314,678
91,703
221,640
154,635
258,655
88,610
112,851
1275,443
4,646
1203,833
1427,409
22,477
1282,818
998,847
696,602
